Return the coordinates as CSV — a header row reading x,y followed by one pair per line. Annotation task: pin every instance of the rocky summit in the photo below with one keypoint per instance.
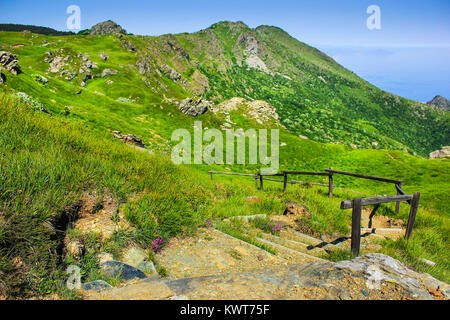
x,y
107,27
440,102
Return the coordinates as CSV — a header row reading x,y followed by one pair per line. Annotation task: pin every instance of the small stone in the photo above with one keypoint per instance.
x,y
260,258
365,293
149,268
134,257
105,257
98,286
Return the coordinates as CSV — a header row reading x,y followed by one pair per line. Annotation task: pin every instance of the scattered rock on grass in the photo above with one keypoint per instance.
x,y
9,62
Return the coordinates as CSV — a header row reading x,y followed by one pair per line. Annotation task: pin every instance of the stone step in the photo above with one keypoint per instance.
x,y
295,245
294,235
213,252
291,255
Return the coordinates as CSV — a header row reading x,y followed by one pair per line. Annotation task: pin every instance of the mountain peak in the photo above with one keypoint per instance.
x,y
107,27
440,102
229,24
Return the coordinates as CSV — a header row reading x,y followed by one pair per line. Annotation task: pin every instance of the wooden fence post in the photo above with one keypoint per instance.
x,y
412,215
212,175
256,181
261,178
397,206
356,227
285,181
330,184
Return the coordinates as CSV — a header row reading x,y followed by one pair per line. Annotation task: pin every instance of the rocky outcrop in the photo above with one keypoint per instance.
x,y
143,65
252,45
108,72
107,27
9,62
126,43
444,153
194,107
171,73
129,139
440,102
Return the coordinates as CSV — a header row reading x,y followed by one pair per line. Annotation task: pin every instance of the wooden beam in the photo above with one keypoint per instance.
x,y
306,173
397,206
357,175
285,181
356,227
232,173
412,215
330,185
401,192
261,186
348,204
372,215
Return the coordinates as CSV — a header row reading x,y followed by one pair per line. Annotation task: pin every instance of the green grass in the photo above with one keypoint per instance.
x,y
53,160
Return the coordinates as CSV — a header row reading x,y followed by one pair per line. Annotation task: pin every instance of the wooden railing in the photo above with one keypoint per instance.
x,y
357,204
328,172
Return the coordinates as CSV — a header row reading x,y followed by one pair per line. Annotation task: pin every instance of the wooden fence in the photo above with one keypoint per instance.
x,y
328,172
357,204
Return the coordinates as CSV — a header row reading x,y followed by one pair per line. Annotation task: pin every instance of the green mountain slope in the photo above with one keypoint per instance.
x,y
314,96
48,161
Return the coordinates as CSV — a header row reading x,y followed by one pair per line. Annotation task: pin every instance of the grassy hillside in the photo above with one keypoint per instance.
x,y
314,96
47,162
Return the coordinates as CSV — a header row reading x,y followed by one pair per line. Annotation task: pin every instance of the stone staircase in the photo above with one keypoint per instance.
x,y
215,265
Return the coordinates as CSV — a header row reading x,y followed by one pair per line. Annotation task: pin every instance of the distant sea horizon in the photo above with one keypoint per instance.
x,y
415,72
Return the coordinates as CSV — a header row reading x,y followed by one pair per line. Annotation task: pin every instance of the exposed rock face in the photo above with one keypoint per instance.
x,y
444,153
129,139
255,62
173,45
143,65
251,43
107,27
9,62
193,107
440,102
171,73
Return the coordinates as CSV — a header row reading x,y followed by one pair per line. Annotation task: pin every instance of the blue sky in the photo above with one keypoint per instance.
x,y
409,56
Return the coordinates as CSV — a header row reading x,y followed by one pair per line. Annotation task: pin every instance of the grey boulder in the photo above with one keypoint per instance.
x,y
122,270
